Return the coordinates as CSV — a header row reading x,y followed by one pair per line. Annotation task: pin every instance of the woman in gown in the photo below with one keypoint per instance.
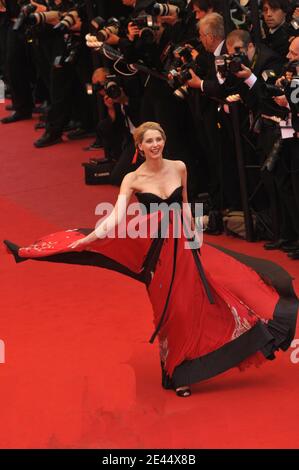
x,y
214,309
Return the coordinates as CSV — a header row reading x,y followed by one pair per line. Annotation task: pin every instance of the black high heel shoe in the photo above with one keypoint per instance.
x,y
183,392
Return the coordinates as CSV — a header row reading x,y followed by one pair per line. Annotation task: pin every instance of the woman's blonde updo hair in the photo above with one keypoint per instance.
x,y
147,126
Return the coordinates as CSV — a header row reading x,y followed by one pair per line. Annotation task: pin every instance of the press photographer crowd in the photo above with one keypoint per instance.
x,y
220,76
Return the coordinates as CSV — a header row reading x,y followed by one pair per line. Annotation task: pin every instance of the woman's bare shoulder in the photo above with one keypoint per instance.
x,y
178,164
129,181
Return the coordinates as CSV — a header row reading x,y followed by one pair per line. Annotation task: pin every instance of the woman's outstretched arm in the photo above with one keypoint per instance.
x,y
114,218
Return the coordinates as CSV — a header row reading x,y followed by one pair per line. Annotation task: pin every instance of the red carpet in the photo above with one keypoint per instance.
x,y
79,371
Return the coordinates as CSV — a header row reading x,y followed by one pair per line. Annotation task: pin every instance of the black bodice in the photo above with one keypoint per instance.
x,y
150,198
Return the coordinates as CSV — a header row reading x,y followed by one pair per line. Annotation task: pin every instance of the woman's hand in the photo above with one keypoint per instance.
x,y
79,244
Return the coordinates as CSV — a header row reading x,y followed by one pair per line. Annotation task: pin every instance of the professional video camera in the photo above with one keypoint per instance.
x,y
230,64
26,10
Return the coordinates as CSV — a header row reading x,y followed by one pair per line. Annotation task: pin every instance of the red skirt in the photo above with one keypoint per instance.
x,y
214,309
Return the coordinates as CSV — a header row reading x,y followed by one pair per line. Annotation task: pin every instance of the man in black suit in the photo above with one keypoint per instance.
x,y
278,129
18,67
246,84
116,129
207,90
277,29
286,172
259,59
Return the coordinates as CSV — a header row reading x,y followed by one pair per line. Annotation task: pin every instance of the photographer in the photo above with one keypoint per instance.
x,y
150,43
278,31
239,73
286,169
152,46
18,63
206,88
246,63
117,128
70,70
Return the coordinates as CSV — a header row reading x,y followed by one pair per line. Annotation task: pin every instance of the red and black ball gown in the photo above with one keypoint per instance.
x,y
214,309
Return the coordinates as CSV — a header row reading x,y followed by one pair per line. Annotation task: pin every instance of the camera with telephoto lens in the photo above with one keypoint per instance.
x,y
174,8
46,17
176,70
179,70
179,77
69,18
165,9
112,87
94,88
287,87
270,78
184,52
67,21
26,10
230,64
147,25
103,29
